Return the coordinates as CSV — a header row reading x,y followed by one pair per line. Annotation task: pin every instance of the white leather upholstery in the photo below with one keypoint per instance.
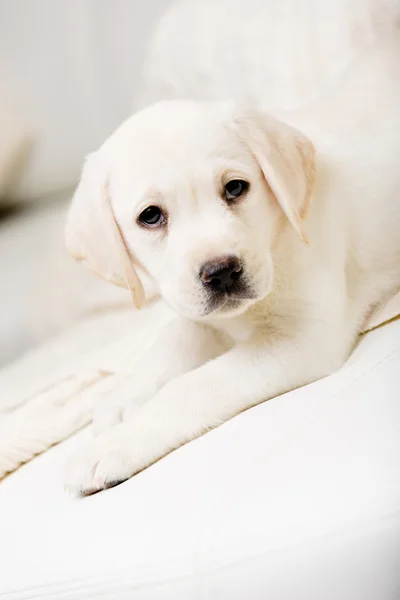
x,y
298,498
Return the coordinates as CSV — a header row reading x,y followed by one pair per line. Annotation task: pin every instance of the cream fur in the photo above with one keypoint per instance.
x,y
310,302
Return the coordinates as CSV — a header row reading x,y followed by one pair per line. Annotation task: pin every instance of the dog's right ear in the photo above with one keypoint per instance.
x,y
287,160
92,234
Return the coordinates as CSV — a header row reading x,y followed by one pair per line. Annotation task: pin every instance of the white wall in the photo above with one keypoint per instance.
x,y
71,67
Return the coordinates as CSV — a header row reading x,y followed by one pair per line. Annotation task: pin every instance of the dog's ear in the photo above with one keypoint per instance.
x,y
93,236
287,160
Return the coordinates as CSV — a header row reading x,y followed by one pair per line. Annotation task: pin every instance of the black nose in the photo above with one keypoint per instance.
x,y
221,274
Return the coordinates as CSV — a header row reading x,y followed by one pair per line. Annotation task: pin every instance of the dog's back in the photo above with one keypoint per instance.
x,y
356,134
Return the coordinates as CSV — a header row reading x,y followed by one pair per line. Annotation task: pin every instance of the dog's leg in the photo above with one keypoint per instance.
x,y
180,347
200,400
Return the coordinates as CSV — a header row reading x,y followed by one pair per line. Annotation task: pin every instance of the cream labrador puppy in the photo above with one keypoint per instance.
x,y
270,240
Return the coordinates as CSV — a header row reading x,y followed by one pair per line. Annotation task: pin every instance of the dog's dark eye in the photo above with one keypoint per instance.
x,y
151,216
235,188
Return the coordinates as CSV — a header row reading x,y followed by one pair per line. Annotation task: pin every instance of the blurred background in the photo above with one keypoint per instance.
x,y
69,73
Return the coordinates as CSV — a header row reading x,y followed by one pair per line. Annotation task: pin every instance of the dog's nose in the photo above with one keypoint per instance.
x,y
221,274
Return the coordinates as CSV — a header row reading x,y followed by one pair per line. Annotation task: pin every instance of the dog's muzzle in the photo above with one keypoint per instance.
x,y
225,283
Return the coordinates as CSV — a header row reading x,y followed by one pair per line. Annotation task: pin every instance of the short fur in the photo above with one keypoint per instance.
x,y
329,174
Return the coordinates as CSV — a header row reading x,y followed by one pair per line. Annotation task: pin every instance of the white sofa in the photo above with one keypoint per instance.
x,y
298,498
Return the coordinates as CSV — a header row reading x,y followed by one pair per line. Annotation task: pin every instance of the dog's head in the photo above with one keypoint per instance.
x,y
193,195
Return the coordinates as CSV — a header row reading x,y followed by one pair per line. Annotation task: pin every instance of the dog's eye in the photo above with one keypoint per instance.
x,y
235,188
151,216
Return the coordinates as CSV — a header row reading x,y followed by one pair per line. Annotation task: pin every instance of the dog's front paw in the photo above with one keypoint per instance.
x,y
105,462
133,445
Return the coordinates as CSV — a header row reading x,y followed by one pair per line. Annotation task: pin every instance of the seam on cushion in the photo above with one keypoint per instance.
x,y
338,386
366,372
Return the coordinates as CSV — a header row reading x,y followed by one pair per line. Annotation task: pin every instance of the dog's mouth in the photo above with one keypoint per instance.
x,y
229,301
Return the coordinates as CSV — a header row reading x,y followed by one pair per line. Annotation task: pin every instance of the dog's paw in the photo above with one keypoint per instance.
x,y
103,463
131,446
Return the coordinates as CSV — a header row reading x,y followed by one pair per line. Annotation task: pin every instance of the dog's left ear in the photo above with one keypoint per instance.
x,y
287,160
92,233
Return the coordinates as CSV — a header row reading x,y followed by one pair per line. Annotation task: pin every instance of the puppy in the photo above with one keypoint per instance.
x,y
270,241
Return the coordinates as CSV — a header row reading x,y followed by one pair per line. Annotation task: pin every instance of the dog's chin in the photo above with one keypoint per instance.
x,y
219,306
225,306
222,307
230,307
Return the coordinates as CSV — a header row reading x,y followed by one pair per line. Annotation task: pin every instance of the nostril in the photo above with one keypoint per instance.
x,y
215,283
235,275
